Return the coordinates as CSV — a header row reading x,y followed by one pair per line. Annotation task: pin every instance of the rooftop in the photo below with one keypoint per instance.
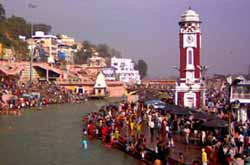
x,y
190,16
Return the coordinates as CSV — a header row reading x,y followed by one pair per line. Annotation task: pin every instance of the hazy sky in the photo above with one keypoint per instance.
x,y
149,29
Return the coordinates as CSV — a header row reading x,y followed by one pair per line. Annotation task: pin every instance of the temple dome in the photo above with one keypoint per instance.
x,y
190,16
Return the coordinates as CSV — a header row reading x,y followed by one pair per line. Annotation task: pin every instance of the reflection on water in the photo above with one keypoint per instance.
x,y
53,136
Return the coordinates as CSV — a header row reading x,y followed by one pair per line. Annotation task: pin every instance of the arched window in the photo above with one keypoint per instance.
x,y
190,56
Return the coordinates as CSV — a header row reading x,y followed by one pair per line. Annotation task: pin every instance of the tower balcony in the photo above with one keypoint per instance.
x,y
190,68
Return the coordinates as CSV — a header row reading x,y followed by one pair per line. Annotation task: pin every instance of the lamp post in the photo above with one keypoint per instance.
x,y
203,70
176,97
31,6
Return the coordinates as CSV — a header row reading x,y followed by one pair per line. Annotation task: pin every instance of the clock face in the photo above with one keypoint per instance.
x,y
190,39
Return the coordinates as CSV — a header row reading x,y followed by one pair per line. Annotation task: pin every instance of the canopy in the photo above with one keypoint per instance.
x,y
215,123
26,95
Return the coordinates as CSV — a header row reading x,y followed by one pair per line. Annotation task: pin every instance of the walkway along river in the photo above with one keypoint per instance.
x,y
53,137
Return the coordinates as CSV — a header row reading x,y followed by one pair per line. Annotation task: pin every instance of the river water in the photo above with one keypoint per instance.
x,y
53,137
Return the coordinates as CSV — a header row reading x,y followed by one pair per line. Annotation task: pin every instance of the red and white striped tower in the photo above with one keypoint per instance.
x,y
188,89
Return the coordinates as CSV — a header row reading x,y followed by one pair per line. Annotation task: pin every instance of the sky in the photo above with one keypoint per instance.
x,y
149,30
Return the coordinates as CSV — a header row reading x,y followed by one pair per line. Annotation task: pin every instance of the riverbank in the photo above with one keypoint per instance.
x,y
53,136
43,105
16,97
133,129
148,133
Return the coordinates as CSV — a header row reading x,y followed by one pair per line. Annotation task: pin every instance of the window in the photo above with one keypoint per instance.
x,y
80,90
98,62
190,56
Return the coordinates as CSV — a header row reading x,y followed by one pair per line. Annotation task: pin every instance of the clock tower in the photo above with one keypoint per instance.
x,y
188,89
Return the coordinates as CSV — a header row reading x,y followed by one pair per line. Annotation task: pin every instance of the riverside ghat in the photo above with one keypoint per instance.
x,y
154,131
160,121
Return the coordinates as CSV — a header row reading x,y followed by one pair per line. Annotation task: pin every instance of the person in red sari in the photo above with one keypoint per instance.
x,y
91,129
104,132
163,129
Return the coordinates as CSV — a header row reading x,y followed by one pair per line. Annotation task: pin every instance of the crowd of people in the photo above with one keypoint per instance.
x,y
144,132
150,134
16,96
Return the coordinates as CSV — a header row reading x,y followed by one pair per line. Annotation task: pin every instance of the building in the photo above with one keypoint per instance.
x,y
109,74
47,43
95,87
240,91
240,98
124,69
159,84
189,88
96,61
66,50
66,40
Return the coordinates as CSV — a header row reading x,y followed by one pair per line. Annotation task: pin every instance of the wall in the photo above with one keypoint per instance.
x,y
116,91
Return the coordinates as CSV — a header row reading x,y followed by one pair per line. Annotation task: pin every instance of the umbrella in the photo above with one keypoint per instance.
x,y
212,117
200,115
215,123
181,112
203,116
26,95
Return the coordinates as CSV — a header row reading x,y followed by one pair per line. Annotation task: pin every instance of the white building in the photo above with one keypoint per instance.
x,y
124,69
109,74
240,97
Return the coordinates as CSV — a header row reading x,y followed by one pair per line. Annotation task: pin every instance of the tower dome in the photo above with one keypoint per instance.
x,y
190,16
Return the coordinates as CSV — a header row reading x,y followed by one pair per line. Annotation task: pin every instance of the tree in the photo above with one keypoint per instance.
x,y
88,49
42,27
4,40
17,26
21,49
142,67
83,54
115,53
103,50
13,27
2,12
107,52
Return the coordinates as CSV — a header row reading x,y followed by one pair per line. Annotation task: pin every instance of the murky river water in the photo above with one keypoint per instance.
x,y
53,137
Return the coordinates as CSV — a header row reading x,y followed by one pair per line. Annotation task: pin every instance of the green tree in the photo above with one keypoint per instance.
x,y
21,49
2,12
104,50
10,30
88,49
4,40
84,53
17,26
142,66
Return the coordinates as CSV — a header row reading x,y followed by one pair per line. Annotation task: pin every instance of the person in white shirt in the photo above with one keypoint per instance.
x,y
241,143
203,137
187,132
151,126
